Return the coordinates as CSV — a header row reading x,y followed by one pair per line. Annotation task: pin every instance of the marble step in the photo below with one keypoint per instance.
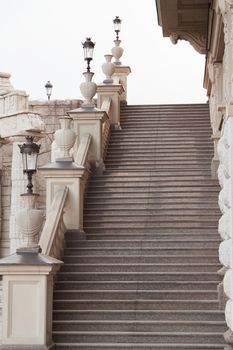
x,y
140,304
139,285
141,315
139,337
137,276
139,326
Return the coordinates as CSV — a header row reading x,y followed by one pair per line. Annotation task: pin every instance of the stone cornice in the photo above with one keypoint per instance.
x,y
182,20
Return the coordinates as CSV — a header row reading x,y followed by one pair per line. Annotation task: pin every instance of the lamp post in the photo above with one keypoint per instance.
x,y
117,51
88,88
88,48
117,26
48,86
29,151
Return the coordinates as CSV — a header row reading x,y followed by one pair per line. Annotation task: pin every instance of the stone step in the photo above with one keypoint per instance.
x,y
139,326
157,131
195,201
210,224
176,295
136,259
159,193
159,162
147,211
137,276
147,244
139,304
147,236
165,167
143,315
147,176
172,251
139,267
139,285
167,122
159,158
154,183
149,230
148,148
158,172
124,346
139,337
153,153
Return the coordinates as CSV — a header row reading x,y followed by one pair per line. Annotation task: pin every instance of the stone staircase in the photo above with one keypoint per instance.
x,y
146,278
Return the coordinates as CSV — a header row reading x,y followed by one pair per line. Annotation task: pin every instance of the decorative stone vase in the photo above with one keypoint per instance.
x,y
117,52
65,138
108,69
88,90
30,220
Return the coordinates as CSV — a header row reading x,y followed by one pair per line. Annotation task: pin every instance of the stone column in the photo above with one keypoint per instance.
x,y
19,183
121,73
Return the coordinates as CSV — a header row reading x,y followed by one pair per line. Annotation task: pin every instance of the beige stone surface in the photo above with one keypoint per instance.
x,y
27,307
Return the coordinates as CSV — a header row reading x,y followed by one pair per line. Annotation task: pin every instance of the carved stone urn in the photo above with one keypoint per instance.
x,y
117,52
65,138
30,220
108,69
88,90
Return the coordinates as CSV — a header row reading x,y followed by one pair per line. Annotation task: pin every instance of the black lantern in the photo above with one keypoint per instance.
x,y
29,151
48,86
117,26
88,48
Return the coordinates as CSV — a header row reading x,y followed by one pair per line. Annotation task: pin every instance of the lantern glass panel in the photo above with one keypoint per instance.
x,y
117,26
49,91
29,161
88,52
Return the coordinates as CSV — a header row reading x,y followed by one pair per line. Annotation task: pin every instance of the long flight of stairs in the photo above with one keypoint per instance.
x,y
146,276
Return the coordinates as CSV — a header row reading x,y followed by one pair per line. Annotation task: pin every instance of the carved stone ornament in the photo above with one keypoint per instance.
x,y
197,40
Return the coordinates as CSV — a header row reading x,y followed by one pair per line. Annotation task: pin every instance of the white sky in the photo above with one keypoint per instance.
x,y
40,40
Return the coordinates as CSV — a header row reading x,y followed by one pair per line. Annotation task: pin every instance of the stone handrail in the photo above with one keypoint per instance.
x,y
106,106
81,157
52,237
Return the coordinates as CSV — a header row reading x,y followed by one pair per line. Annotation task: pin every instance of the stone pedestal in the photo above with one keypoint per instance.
x,y
90,121
122,72
60,174
113,92
27,299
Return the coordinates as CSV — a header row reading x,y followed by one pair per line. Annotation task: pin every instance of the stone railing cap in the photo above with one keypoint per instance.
x,y
61,166
29,256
